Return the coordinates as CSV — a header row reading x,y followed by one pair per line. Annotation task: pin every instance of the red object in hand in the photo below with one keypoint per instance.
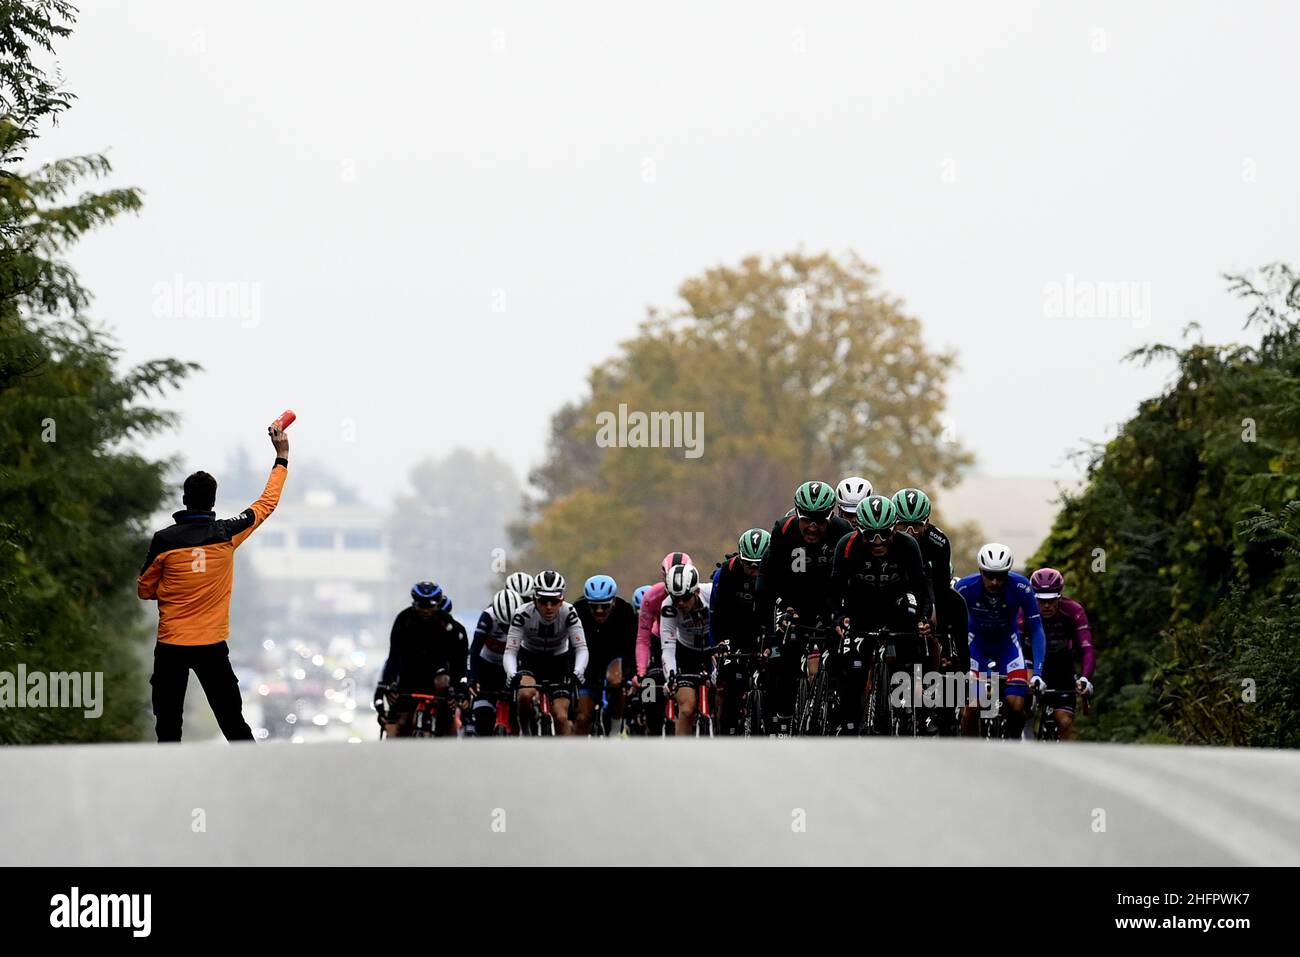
x,y
285,420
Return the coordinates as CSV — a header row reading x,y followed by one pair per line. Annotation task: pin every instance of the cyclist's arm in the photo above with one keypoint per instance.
x,y
668,641
146,586
919,581
715,606
481,632
514,638
458,667
1034,624
578,642
392,664
1083,635
644,622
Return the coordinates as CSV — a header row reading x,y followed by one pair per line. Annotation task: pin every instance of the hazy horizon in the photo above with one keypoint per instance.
x,y
506,190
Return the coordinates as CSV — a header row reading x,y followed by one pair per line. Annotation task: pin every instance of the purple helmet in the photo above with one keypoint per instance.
x,y
1047,583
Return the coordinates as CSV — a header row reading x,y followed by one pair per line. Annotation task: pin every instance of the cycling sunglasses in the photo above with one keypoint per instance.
x,y
547,600
815,518
600,605
910,526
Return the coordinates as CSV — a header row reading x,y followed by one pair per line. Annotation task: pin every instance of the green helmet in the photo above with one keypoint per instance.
x,y
814,498
913,505
754,544
877,513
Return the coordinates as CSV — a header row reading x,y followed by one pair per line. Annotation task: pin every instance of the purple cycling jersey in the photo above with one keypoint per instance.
x,y
1069,636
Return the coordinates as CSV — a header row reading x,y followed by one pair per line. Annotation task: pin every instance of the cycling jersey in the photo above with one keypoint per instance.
x,y
936,549
993,619
489,641
647,626
734,613
614,639
422,648
529,632
1068,636
190,567
798,574
689,629
868,588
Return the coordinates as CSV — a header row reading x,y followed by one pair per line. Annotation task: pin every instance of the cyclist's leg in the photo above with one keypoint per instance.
x,y
686,703
1012,664
615,695
586,707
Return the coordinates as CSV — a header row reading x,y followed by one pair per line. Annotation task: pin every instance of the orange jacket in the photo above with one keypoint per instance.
x,y
190,568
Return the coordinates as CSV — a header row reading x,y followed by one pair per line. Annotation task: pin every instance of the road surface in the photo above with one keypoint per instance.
x,y
806,801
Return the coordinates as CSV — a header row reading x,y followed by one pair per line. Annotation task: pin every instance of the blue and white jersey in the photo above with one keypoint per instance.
x,y
995,619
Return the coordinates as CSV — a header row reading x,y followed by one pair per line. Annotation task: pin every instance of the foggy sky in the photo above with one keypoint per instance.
x,y
445,214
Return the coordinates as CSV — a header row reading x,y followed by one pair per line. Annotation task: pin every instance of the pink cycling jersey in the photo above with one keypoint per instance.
x,y
647,624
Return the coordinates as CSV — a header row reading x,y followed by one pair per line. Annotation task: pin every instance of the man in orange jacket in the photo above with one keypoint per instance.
x,y
189,571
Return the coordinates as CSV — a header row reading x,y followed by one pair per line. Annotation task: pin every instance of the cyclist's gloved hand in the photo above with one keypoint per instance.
x,y
1037,683
1083,686
381,697
578,679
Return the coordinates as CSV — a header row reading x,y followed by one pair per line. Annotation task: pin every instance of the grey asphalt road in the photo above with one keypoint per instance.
x,y
803,801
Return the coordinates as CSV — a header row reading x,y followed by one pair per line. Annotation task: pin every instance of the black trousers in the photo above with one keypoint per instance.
x,y
171,675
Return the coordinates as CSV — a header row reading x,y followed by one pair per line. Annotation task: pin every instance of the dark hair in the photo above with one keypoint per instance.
x,y
200,492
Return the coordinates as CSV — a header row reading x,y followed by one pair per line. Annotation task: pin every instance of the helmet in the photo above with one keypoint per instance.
x,y
505,603
674,558
995,557
682,580
600,588
754,544
444,606
814,500
638,595
849,493
426,594
548,584
521,583
876,514
913,505
1047,583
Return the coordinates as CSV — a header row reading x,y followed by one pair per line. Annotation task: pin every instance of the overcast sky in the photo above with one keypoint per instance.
x,y
443,215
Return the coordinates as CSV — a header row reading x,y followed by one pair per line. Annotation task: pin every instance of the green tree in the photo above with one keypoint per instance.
x,y
73,497
1182,542
801,367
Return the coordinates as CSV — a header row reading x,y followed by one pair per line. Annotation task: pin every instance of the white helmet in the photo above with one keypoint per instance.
x,y
548,584
849,493
682,580
521,583
995,557
505,603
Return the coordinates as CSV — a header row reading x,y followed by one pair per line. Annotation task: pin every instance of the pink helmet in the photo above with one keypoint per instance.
x,y
674,558
1047,583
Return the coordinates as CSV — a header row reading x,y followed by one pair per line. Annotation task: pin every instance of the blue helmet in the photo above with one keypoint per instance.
x,y
444,606
638,595
600,588
426,594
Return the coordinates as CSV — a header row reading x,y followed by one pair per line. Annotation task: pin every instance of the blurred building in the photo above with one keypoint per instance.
x,y
326,565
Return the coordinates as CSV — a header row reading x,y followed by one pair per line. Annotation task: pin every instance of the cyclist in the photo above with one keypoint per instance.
x,y
794,584
684,633
913,508
487,675
996,598
427,654
735,618
879,580
848,494
537,649
648,617
609,627
954,650
636,599
1067,636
